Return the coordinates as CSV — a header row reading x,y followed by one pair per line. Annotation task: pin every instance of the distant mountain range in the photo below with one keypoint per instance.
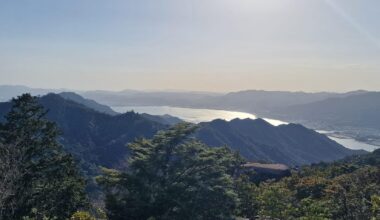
x,y
361,110
264,102
99,139
252,101
159,98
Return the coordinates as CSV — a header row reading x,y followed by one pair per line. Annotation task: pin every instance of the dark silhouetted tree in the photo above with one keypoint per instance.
x,y
46,182
173,177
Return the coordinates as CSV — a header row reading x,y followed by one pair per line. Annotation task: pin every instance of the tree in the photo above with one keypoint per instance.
x,y
9,175
172,177
48,184
247,192
276,201
351,194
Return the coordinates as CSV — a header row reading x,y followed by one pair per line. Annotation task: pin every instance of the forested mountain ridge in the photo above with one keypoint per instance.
x,y
103,135
88,102
96,138
162,119
258,140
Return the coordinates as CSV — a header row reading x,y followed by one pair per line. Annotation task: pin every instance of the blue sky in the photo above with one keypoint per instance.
x,y
210,45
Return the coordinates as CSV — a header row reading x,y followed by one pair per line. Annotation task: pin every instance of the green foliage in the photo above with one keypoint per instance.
x,y
348,189
275,201
375,203
36,215
48,184
313,209
312,187
351,194
173,177
82,215
247,194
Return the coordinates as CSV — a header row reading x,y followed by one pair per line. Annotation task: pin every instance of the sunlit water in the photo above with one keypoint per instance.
x,y
204,115
352,143
192,115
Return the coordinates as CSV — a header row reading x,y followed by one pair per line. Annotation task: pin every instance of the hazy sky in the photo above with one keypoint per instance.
x,y
210,45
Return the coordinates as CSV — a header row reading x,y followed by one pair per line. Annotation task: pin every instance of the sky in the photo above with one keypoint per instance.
x,y
203,45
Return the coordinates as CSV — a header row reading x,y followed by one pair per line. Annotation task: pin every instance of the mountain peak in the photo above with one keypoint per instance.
x,y
87,102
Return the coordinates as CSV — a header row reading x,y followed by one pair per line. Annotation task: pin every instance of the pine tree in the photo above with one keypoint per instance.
x,y
172,177
49,184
